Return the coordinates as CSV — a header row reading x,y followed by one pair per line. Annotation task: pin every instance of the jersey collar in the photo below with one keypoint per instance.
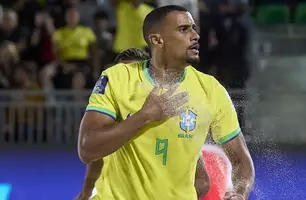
x,y
147,75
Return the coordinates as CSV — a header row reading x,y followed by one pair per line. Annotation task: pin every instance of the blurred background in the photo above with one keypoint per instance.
x,y
52,51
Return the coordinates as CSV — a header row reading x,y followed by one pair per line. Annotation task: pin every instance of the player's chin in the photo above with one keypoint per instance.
x,y
193,59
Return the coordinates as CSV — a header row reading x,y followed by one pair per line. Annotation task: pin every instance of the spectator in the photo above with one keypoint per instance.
x,y
23,79
9,31
40,42
8,58
12,42
26,13
104,37
58,9
87,8
25,116
74,48
130,15
227,59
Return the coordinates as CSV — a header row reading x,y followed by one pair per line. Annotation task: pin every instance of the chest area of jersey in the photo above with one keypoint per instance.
x,y
191,123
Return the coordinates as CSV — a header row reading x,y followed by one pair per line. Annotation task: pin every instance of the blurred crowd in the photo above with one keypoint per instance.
x,y
43,44
65,44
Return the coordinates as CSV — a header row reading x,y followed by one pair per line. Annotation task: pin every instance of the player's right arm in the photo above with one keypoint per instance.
x,y
93,172
100,134
226,131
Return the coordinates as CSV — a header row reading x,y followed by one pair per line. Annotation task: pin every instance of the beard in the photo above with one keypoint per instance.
x,y
191,57
192,60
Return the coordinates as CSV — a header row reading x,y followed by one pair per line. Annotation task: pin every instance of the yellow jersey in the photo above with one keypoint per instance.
x,y
74,44
129,29
159,163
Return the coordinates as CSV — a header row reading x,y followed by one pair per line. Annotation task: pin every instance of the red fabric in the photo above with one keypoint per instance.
x,y
219,173
47,53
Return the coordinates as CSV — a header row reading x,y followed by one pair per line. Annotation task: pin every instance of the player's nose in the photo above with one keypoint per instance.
x,y
195,36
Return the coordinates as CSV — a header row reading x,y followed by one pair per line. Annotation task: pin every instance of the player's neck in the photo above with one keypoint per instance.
x,y
72,26
166,74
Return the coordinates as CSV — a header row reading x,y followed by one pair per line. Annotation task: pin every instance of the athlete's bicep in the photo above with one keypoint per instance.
x,y
91,122
236,149
95,120
100,114
225,124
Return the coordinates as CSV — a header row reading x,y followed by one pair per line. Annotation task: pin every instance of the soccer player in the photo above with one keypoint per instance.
x,y
93,170
149,119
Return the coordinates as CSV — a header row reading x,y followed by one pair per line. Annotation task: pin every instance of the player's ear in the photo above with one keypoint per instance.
x,y
155,39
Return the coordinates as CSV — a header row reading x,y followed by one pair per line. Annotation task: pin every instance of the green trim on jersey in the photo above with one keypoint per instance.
x,y
102,110
200,155
229,136
146,72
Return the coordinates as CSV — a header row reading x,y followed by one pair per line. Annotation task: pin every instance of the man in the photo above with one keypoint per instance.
x,y
129,15
228,59
12,44
149,119
104,38
74,48
94,169
12,37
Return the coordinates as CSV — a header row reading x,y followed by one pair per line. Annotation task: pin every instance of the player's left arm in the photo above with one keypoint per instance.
x,y
226,131
243,173
202,181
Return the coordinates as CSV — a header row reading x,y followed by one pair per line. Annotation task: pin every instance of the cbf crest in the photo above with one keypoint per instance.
x,y
188,120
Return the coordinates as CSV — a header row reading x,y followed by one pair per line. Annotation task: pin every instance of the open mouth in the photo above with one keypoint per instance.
x,y
195,48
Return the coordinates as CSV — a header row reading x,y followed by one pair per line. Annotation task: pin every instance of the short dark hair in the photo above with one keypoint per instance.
x,y
101,14
132,54
156,17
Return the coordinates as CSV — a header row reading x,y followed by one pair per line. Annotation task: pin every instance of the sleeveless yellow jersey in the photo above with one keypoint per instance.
x,y
159,163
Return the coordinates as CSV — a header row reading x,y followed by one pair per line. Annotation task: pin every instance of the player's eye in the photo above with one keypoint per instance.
x,y
184,29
